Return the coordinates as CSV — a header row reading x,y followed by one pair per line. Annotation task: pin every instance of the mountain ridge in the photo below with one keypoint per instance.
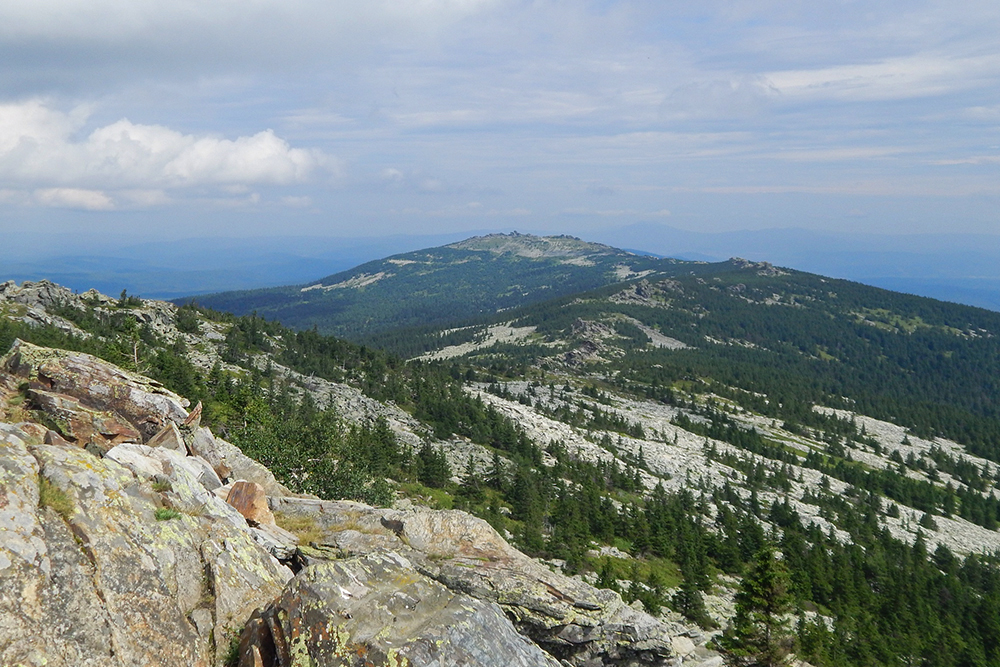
x,y
436,285
647,437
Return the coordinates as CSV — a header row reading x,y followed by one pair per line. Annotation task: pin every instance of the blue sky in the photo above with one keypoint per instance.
x,y
135,118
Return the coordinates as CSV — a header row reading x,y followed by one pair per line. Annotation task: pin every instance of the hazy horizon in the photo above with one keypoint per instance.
x,y
422,117
951,267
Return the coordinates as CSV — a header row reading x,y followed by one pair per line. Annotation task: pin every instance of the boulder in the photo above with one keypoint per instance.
x,y
202,443
250,500
243,467
169,437
570,619
79,424
378,610
96,577
279,542
683,646
142,402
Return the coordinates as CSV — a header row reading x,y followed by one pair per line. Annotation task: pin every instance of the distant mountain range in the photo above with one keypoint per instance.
x,y
962,268
432,287
477,277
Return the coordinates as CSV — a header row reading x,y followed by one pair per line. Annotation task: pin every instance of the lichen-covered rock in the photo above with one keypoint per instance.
x,y
81,425
378,610
50,613
143,402
97,576
568,618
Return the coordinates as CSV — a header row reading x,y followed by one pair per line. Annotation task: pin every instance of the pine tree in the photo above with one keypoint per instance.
x,y
758,635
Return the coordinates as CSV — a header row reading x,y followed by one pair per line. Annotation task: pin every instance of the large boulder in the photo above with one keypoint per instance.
x,y
250,500
79,424
125,560
142,402
570,619
378,610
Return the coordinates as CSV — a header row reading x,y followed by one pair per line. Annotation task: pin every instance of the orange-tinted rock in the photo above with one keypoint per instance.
x,y
53,438
169,437
250,500
81,425
98,385
193,420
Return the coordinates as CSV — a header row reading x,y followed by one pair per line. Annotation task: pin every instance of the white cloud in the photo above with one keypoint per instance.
x,y
918,75
617,213
837,154
297,202
973,159
39,147
90,200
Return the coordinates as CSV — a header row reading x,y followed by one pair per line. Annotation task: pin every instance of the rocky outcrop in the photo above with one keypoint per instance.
x,y
31,303
378,610
114,552
143,403
126,560
79,424
570,619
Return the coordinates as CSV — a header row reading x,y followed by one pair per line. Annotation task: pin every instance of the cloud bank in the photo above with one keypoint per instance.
x,y
42,148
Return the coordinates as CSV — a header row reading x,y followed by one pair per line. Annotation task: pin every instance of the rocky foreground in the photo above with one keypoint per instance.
x,y
131,535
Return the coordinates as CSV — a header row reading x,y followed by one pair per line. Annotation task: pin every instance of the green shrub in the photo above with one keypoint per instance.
x,y
187,320
233,652
165,514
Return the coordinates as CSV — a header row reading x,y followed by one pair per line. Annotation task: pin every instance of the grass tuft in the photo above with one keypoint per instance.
x,y
303,527
50,495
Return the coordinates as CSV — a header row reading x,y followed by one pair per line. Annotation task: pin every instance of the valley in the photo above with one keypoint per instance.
x,y
641,426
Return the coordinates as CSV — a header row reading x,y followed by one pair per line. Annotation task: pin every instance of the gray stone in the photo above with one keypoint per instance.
x,y
243,467
202,443
169,437
567,617
683,646
378,610
276,540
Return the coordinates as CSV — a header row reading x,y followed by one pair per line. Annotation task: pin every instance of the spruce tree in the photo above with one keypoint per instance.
x,y
758,635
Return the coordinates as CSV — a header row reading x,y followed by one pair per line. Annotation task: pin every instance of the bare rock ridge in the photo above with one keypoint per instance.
x,y
118,547
570,619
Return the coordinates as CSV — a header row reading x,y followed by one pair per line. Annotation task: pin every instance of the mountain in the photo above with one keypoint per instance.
x,y
172,268
952,267
439,285
656,464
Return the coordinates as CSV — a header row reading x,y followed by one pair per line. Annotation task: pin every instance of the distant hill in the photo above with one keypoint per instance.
x,y
651,437
798,338
480,275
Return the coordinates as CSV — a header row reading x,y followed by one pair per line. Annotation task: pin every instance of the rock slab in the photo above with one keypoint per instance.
x,y
377,610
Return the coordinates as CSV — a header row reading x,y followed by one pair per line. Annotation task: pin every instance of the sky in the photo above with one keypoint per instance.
x,y
171,119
